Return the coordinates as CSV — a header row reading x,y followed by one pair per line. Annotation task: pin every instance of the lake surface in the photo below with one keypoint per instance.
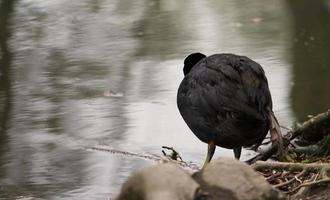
x,y
78,74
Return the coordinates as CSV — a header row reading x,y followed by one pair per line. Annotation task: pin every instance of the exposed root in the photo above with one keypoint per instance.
x,y
315,129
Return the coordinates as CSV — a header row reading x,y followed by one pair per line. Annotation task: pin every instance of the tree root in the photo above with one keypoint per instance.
x,y
294,178
315,128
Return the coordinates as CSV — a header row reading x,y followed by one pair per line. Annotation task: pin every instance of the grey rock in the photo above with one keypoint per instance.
x,y
236,180
159,182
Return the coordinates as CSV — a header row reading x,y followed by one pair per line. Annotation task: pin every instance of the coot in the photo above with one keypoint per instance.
x,y
225,101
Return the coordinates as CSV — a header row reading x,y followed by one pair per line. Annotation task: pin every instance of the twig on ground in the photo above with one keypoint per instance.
x,y
291,180
153,157
313,174
174,154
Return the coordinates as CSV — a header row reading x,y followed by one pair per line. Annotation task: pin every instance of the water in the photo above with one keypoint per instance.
x,y
77,74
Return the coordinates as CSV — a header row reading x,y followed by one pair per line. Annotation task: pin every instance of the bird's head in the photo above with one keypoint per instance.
x,y
191,60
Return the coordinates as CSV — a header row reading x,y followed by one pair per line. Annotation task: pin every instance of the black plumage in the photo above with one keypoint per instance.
x,y
225,101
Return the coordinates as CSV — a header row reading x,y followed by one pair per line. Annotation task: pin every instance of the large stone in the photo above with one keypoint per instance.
x,y
159,182
236,178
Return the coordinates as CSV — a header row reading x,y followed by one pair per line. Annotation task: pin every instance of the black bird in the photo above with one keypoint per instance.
x,y
225,101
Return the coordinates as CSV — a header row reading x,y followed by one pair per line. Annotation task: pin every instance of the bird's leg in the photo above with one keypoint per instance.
x,y
237,152
210,152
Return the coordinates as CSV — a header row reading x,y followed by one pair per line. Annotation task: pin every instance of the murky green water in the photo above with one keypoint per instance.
x,y
77,74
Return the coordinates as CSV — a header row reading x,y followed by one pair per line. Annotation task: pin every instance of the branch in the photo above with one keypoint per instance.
x,y
318,124
311,167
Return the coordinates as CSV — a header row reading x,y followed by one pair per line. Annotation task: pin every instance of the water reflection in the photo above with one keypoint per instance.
x,y
69,58
162,19
6,10
310,57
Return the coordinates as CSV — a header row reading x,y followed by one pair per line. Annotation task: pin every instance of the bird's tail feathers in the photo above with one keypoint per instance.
x,y
276,135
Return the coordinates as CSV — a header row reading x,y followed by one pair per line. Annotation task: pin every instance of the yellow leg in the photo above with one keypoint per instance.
x,y
210,152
